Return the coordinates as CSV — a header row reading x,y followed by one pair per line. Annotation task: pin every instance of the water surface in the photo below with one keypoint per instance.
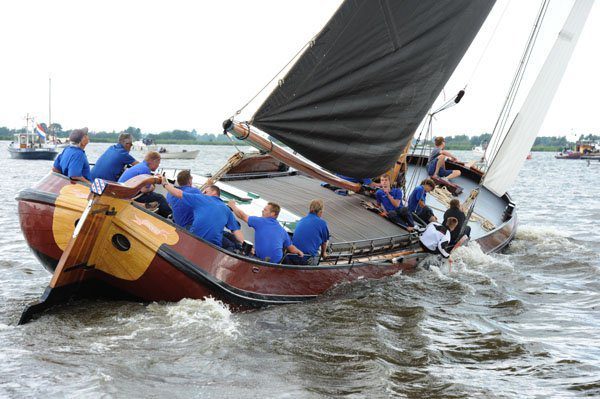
x,y
524,323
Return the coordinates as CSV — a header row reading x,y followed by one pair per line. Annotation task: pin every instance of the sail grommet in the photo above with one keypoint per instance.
x,y
121,242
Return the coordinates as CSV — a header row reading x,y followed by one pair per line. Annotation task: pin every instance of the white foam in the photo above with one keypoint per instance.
x,y
207,313
528,236
471,258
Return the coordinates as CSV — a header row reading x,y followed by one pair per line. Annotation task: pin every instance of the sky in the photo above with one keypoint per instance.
x,y
161,66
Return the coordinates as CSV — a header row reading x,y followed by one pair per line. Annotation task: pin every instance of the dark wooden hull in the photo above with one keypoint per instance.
x,y
173,264
33,153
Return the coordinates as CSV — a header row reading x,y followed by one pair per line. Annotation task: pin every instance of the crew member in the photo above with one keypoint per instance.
x,y
390,201
211,215
150,163
455,212
416,201
310,236
183,214
270,239
436,237
437,161
73,162
110,165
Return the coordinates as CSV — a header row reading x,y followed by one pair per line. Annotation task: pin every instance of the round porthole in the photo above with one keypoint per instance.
x,y
121,242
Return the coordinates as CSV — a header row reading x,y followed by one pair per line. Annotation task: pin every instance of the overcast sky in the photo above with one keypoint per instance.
x,y
161,65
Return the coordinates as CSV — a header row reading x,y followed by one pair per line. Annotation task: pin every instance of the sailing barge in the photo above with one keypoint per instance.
x,y
105,244
350,105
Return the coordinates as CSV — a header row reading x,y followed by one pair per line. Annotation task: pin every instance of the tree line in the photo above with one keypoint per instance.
x,y
167,137
458,142
542,143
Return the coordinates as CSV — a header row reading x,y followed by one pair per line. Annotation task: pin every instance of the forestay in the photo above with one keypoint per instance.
x,y
356,96
509,159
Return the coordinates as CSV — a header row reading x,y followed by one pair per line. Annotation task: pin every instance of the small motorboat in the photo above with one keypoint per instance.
x,y
184,154
32,144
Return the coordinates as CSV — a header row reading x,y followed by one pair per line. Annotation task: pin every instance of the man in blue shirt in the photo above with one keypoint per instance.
x,y
436,164
73,162
148,196
110,164
211,214
310,236
416,201
183,214
270,239
390,201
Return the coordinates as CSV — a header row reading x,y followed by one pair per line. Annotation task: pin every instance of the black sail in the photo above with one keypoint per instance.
x,y
356,96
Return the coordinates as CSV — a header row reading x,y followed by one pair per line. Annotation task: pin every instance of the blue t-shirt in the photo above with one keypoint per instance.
x,y
269,238
383,199
73,162
211,215
311,231
183,214
141,168
417,195
110,164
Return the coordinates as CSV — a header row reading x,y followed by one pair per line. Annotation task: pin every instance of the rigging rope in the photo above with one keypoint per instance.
x,y
429,137
309,43
509,102
515,85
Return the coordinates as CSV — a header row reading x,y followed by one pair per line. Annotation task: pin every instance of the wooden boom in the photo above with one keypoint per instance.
x,y
244,132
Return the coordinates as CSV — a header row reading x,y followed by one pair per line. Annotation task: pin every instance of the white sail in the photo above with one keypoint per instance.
x,y
521,135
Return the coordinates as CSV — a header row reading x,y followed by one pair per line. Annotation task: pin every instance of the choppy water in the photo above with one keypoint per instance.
x,y
523,324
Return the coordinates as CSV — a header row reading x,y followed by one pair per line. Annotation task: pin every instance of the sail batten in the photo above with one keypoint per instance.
x,y
354,99
520,137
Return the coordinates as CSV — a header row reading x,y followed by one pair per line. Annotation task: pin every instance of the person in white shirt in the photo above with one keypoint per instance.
x,y
436,237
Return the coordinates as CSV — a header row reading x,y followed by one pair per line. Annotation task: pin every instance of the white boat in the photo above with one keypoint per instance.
x,y
184,154
32,143
140,145
478,150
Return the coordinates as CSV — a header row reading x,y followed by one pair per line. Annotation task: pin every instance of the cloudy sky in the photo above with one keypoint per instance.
x,y
162,65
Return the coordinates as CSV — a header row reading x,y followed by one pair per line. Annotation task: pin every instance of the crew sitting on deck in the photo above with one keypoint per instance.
x,y
148,196
455,212
310,236
270,239
110,165
73,162
437,161
183,213
416,202
211,215
436,237
390,200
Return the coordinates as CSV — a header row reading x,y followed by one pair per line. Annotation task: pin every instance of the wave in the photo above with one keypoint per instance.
x,y
193,313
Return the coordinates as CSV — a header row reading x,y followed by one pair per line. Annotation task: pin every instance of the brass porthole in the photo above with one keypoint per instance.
x,y
121,242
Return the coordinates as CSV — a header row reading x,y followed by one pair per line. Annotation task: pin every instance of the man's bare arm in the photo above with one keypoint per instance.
x,y
237,211
171,189
238,235
293,250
